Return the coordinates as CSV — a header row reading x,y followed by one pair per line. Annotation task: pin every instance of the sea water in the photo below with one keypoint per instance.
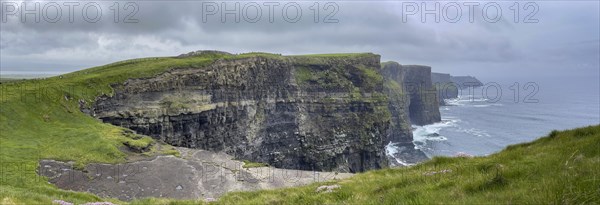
x,y
484,120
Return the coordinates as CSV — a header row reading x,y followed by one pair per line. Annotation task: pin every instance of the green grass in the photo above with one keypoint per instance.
x,y
335,55
563,168
3,80
249,164
40,119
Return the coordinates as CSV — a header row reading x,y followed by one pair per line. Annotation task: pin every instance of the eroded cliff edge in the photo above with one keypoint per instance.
x,y
422,97
321,112
448,86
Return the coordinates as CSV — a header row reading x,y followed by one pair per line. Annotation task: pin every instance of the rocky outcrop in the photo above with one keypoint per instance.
x,y
422,100
197,174
445,87
400,82
448,86
311,113
322,112
466,81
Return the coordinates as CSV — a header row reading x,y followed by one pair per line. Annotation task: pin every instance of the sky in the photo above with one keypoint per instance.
x,y
491,38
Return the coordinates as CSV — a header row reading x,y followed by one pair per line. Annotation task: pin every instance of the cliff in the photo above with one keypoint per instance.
x,y
302,112
331,112
400,99
448,86
466,81
421,94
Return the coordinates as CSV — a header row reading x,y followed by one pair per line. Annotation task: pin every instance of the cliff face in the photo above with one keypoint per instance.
x,y
448,86
321,112
400,132
310,113
445,87
422,99
466,81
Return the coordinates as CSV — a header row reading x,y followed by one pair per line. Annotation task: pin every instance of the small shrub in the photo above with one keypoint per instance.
x,y
553,134
249,164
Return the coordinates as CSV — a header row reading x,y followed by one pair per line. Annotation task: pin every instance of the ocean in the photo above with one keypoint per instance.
x,y
481,122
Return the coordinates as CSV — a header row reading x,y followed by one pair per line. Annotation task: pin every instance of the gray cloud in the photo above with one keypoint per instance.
x,y
566,37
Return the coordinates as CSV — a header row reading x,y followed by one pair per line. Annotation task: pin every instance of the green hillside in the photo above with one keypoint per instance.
x,y
40,119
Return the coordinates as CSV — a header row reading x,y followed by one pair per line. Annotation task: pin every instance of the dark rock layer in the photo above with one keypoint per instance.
x,y
329,113
422,99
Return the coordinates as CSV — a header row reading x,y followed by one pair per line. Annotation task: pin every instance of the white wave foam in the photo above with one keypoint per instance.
x,y
452,102
391,150
468,101
472,99
475,132
425,133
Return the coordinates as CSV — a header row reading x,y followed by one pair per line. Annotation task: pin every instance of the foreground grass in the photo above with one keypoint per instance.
x,y
40,119
3,80
562,168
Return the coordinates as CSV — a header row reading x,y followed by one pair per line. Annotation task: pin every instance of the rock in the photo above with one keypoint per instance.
x,y
445,87
249,107
327,189
448,86
203,175
99,203
61,202
433,135
411,102
466,81
423,105
462,154
295,112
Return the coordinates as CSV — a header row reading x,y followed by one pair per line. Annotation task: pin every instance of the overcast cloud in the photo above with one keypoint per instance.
x,y
565,41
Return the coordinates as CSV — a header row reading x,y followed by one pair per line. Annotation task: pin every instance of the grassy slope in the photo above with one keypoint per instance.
x,y
2,80
562,168
40,119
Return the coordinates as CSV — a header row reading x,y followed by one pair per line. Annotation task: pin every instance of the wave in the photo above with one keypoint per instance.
x,y
488,105
391,150
475,132
470,101
425,133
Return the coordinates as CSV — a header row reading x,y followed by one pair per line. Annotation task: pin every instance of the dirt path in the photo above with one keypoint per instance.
x,y
198,174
